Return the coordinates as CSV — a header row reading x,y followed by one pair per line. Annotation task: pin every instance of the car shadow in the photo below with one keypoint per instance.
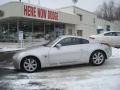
x,y
64,67
8,71
56,68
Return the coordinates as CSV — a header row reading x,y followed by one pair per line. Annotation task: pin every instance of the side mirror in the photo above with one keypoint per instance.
x,y
58,45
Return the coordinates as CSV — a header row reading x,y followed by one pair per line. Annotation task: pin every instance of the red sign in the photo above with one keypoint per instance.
x,y
40,13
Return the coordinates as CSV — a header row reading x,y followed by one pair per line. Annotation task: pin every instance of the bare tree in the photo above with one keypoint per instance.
x,y
104,11
117,13
108,11
111,11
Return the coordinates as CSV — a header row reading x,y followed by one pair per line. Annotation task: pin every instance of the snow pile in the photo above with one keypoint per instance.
x,y
9,49
103,80
115,52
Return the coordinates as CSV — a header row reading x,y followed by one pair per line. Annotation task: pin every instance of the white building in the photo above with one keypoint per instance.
x,y
38,22
89,23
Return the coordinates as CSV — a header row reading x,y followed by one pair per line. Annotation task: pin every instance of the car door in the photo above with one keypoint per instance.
x,y
68,53
110,38
117,39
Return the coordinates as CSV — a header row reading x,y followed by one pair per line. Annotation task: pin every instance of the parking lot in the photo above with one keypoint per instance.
x,y
78,77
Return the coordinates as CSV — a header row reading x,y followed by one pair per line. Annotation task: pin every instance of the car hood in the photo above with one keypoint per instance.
x,y
37,50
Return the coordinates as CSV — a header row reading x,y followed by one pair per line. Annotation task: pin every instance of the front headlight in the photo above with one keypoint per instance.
x,y
15,56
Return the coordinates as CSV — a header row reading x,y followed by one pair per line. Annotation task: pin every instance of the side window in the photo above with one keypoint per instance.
x,y
110,34
66,42
84,41
73,41
81,41
118,33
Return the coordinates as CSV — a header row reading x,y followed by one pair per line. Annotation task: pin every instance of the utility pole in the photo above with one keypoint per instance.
x,y
29,1
75,1
39,2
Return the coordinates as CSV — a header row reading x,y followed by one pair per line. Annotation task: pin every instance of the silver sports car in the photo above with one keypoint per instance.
x,y
65,50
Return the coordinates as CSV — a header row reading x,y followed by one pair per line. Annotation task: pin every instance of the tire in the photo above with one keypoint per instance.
x,y
97,58
30,64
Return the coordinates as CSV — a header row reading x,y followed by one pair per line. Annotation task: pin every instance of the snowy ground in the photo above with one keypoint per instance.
x,y
79,77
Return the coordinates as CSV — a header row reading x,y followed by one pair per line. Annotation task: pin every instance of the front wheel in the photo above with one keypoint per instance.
x,y
29,64
97,58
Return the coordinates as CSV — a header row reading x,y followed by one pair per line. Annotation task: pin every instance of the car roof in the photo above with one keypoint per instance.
x,y
65,36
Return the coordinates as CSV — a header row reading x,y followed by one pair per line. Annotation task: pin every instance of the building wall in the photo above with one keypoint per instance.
x,y
70,16
16,9
68,10
86,29
69,27
90,23
11,9
87,17
113,26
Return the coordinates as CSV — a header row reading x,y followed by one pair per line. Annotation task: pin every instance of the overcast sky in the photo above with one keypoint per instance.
x,y
89,5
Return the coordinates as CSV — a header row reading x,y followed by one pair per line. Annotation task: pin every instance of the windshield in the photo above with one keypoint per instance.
x,y
52,42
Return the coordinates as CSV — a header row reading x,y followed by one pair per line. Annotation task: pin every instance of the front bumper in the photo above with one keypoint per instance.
x,y
16,62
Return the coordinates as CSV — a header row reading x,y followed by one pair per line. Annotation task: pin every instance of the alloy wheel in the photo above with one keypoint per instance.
x,y
30,64
98,58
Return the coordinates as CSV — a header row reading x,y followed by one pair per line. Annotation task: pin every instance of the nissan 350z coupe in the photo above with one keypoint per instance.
x,y
65,50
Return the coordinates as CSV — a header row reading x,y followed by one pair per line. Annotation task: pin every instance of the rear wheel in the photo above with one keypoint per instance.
x,y
97,58
30,64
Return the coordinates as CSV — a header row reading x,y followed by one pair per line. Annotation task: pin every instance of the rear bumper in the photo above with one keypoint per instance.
x,y
108,52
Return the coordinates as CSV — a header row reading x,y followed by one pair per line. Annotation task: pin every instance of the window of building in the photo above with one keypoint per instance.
x,y
79,32
108,27
94,20
13,33
99,31
70,32
32,31
8,32
59,29
26,27
81,17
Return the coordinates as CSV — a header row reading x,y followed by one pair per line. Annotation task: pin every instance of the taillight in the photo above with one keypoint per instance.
x,y
106,44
